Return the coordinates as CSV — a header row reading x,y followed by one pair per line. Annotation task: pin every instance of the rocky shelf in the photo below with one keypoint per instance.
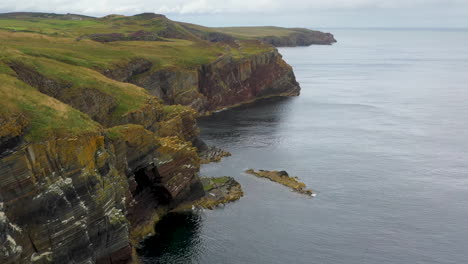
x,y
282,177
218,191
213,154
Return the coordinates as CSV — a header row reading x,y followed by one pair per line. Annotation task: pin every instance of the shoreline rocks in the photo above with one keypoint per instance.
x,y
283,178
212,154
218,191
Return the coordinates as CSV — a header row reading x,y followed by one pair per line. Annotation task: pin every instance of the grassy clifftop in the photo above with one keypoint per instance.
x,y
149,26
67,74
48,61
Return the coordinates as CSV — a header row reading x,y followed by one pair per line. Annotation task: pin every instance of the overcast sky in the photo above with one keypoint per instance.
x,y
305,13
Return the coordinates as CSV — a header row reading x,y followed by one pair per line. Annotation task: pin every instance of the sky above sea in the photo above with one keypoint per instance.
x,y
290,13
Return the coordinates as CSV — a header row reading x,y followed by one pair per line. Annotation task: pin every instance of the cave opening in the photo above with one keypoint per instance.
x,y
162,194
150,179
143,181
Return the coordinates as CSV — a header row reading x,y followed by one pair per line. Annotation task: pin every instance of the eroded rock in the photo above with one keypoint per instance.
x,y
224,83
218,191
283,178
213,154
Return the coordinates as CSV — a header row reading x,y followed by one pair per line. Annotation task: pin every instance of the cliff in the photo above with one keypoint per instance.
x,y
84,198
155,27
74,190
276,36
98,138
227,81
301,37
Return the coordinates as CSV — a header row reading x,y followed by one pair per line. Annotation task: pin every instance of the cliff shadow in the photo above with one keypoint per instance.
x,y
150,180
176,240
260,117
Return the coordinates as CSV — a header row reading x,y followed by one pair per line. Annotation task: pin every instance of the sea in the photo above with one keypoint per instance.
x,y
379,132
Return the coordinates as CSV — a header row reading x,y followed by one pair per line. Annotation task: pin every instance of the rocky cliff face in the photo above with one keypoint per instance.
x,y
94,196
228,81
91,197
224,83
74,200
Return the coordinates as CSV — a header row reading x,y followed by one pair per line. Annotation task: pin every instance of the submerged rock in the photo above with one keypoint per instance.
x,y
282,177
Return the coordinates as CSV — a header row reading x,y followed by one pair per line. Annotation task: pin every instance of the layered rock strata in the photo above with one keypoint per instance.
x,y
83,199
224,83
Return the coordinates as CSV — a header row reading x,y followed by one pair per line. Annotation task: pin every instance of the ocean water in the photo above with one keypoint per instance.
x,y
380,132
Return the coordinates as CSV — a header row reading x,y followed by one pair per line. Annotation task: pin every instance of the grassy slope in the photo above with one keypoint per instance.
x,y
249,33
78,28
55,48
45,117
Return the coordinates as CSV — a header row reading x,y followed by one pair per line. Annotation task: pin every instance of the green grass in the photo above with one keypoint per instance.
x,y
183,54
171,111
79,28
253,32
47,117
210,183
247,33
128,97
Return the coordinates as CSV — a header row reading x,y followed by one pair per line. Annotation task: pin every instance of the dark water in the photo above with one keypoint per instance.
x,y
380,132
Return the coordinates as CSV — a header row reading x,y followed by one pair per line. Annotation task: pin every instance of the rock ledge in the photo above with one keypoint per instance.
x,y
282,177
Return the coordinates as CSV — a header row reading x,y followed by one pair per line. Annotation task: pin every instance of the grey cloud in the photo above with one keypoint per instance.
x,y
331,12
102,7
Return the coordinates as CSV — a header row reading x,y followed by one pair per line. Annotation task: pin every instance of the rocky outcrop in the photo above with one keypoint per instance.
x,y
210,154
282,177
303,37
173,86
218,191
226,82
